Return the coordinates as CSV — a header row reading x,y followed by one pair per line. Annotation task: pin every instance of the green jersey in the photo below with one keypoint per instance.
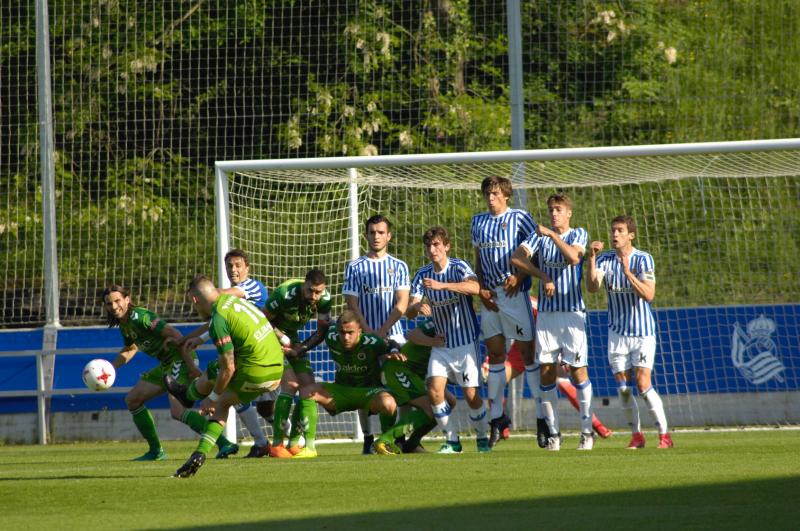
x,y
237,325
143,328
358,367
417,356
290,312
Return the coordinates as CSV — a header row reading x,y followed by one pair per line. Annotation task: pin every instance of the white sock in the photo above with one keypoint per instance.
x,y
584,391
441,412
629,408
480,423
496,383
550,407
656,409
250,417
534,379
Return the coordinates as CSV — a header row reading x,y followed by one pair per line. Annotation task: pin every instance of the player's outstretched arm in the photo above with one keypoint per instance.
x,y
418,337
315,339
468,286
125,355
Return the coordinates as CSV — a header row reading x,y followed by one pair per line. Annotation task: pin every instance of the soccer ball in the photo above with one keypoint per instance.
x,y
98,375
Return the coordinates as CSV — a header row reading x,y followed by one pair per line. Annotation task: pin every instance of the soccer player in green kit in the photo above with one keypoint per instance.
x,y
405,378
143,330
289,308
356,385
250,359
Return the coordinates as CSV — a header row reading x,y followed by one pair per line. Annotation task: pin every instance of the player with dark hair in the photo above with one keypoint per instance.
x,y
358,356
447,286
290,307
144,331
505,310
376,288
630,280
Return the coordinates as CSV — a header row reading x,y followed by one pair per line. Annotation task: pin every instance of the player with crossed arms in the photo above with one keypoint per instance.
x,y
630,280
376,288
448,285
561,323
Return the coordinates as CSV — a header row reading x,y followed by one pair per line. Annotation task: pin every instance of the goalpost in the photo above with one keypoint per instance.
x,y
722,221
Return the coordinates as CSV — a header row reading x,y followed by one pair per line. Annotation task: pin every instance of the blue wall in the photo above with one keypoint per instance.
x,y
699,350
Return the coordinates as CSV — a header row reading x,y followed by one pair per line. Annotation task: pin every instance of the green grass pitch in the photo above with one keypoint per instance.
x,y
711,480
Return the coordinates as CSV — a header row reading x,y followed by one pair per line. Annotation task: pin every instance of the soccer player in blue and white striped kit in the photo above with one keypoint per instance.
x,y
561,323
376,287
630,281
506,312
448,285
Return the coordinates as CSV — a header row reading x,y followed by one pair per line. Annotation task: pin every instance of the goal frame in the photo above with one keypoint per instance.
x,y
350,166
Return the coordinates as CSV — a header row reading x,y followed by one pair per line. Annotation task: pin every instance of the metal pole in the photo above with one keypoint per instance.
x,y
46,147
355,252
514,21
222,221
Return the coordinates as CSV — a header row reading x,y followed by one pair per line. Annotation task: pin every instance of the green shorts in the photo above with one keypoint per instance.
x,y
347,398
301,365
404,383
252,381
177,369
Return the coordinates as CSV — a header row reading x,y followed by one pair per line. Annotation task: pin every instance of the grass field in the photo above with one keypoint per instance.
x,y
711,480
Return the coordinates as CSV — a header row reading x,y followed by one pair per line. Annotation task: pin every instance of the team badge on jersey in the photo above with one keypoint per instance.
x,y
504,225
754,353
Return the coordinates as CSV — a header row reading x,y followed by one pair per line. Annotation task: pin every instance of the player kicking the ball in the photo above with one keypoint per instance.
x,y
250,359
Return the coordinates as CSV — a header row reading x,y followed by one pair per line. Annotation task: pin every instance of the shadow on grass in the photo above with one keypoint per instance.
x,y
761,504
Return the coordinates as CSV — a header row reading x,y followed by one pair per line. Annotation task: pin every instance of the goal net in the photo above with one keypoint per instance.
x,y
722,221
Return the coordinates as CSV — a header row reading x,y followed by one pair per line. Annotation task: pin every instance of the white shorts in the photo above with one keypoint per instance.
x,y
458,364
561,338
513,321
625,352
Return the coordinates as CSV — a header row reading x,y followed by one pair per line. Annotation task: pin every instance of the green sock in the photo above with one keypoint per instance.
x,y
198,423
308,421
209,437
193,394
294,435
281,414
407,424
387,421
419,433
147,427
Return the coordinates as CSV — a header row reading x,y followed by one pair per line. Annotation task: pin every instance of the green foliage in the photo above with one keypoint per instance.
x,y
147,96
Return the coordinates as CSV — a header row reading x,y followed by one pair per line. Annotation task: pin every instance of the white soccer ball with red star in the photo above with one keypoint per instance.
x,y
98,375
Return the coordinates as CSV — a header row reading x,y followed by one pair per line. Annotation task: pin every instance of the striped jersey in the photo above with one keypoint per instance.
x,y
374,282
453,314
628,313
566,277
496,238
254,291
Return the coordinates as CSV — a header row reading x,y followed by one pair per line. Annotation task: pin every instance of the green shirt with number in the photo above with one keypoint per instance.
x,y
143,328
288,310
238,325
358,367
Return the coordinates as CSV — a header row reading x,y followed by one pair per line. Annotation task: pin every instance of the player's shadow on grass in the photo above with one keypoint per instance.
x,y
101,478
760,504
